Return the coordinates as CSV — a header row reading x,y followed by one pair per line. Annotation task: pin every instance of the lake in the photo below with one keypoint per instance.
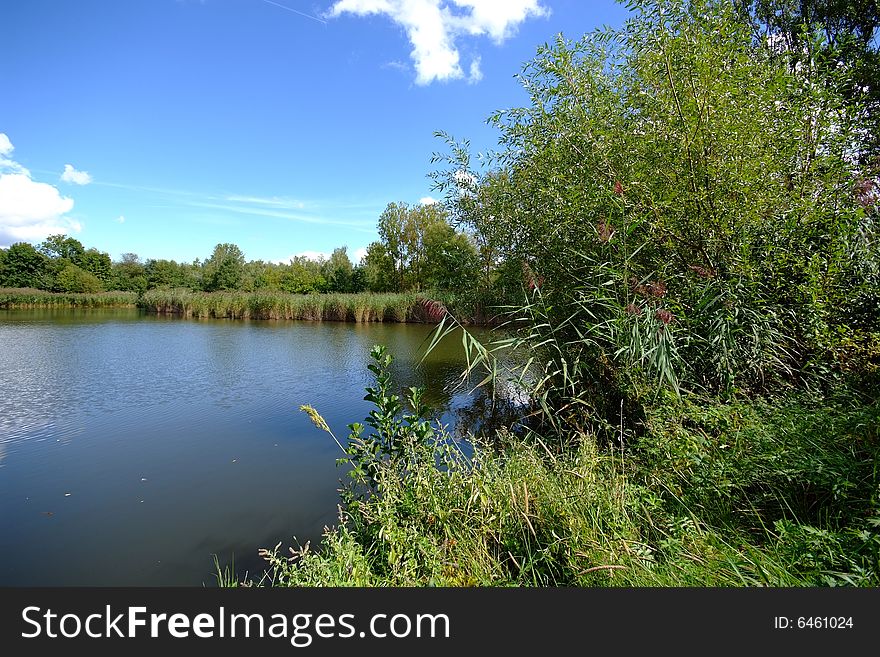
x,y
135,447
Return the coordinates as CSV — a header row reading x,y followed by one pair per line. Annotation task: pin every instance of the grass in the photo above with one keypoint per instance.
x,y
31,298
780,492
365,307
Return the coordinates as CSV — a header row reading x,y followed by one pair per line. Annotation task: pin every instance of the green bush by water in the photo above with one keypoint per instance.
x,y
762,493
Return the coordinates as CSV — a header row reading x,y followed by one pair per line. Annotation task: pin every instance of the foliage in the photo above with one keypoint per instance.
x,y
22,266
224,270
418,249
778,493
62,246
129,274
364,307
826,38
681,206
33,298
74,279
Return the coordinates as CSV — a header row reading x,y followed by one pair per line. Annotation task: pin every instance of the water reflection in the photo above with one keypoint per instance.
x,y
144,444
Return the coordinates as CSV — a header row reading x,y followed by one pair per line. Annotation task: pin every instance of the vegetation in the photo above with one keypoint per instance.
x,y
419,251
364,307
31,298
715,494
689,217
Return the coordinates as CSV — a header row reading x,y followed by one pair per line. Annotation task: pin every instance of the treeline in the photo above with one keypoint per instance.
x,y
418,250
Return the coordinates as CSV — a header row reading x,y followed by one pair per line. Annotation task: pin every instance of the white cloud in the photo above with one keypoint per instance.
x,y
427,200
475,74
434,25
360,254
6,164
6,146
71,175
31,211
120,219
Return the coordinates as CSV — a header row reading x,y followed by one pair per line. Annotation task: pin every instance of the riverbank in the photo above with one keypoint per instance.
x,y
760,492
32,298
358,308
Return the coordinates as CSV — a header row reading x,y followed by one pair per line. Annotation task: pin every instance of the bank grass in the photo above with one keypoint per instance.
x,y
777,492
32,298
363,307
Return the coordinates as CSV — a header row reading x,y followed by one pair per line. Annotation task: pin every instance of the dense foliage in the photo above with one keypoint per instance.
x,y
689,216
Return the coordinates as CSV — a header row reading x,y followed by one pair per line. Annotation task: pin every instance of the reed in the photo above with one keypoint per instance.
x,y
360,308
31,298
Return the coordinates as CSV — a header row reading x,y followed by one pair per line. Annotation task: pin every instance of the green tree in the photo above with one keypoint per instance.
x,y
337,271
129,274
451,261
303,276
224,270
416,244
96,263
75,279
682,206
834,42
23,266
164,274
379,269
62,246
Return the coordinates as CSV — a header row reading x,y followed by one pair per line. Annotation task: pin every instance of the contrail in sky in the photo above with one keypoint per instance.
x,y
296,11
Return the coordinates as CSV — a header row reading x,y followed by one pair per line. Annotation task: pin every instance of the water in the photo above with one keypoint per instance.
x,y
135,447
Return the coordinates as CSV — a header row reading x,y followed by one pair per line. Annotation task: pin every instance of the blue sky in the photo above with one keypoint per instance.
x,y
164,127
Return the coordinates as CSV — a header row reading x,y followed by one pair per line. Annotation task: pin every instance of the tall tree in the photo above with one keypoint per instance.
x,y
62,246
337,270
23,266
224,270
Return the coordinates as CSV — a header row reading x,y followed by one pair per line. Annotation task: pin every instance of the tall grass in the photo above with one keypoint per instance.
x,y
776,493
31,298
366,307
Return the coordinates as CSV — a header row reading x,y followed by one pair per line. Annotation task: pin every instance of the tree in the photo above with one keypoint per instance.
x,y
23,266
303,276
224,270
62,246
683,206
416,244
129,274
96,263
164,274
337,271
834,42
74,279
450,259
379,268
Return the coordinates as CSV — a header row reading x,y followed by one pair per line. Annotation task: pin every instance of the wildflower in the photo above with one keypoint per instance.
x,y
605,230
618,188
632,309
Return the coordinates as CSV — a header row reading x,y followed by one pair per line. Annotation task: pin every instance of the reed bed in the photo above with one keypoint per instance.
x,y
361,308
31,298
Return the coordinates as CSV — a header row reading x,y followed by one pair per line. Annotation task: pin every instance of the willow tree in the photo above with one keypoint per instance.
x,y
684,207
